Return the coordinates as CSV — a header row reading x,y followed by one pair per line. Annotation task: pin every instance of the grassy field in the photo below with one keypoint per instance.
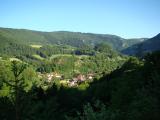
x,y
38,57
67,55
14,59
36,46
60,55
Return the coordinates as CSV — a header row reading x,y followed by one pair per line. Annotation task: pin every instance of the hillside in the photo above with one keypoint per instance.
x,y
131,92
77,76
150,45
76,39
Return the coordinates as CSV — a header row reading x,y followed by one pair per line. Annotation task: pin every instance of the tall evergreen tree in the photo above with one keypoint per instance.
x,y
17,84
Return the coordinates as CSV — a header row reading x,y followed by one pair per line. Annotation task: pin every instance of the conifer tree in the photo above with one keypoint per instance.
x,y
17,84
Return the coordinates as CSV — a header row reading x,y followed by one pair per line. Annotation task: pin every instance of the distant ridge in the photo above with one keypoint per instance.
x,y
150,45
77,39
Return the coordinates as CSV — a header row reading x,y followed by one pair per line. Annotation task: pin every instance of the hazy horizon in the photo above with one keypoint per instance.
x,y
78,32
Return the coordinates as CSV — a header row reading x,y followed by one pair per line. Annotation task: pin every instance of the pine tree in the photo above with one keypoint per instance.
x,y
17,84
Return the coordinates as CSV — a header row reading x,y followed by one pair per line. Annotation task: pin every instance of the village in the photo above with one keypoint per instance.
x,y
72,82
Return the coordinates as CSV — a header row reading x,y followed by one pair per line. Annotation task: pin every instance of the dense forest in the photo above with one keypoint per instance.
x,y
77,76
76,39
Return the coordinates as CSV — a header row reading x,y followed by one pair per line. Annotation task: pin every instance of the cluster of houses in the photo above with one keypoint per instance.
x,y
75,81
49,76
80,79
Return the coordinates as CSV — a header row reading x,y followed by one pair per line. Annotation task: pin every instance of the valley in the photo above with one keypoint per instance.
x,y
72,76
79,60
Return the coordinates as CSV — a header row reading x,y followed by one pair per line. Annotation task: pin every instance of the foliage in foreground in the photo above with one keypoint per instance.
x,y
128,93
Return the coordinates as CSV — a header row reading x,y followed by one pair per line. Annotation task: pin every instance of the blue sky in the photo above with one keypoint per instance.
x,y
126,18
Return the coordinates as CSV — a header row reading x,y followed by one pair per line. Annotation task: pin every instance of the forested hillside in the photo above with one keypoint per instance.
x,y
127,93
77,76
76,39
150,45
79,60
